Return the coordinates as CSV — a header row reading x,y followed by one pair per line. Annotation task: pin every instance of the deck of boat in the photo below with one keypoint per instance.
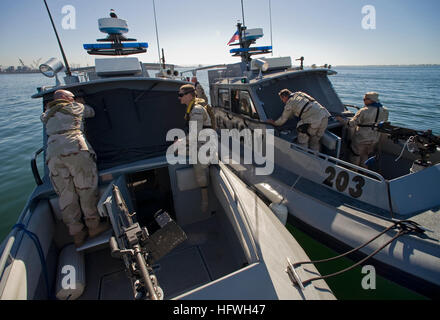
x,y
202,258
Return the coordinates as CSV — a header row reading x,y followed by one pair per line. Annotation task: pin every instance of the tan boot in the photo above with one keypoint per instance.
x,y
100,228
80,237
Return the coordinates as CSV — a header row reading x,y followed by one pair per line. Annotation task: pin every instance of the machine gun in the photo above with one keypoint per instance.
x,y
422,143
139,249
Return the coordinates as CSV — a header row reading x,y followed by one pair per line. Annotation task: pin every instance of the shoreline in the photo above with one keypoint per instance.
x,y
308,66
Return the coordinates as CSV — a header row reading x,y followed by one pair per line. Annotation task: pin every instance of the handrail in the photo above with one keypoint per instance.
x,y
355,168
352,106
34,167
193,71
339,161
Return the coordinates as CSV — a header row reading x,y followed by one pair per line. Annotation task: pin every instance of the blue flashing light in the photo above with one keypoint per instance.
x,y
254,49
111,46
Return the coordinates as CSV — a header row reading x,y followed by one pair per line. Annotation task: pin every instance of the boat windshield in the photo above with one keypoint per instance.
x,y
315,84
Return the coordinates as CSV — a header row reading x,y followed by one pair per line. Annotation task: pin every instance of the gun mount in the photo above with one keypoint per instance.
x,y
422,143
139,249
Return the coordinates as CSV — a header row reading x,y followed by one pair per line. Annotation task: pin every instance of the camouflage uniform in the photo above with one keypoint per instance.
x,y
199,114
72,163
200,93
364,139
311,113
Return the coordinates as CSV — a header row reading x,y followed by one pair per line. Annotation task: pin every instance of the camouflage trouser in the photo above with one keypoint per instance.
x,y
75,180
201,174
202,178
314,133
360,152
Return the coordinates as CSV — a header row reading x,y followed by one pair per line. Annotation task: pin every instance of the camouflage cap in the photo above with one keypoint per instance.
x,y
373,96
61,94
187,88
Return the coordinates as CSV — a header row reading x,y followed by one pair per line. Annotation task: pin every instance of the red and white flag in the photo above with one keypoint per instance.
x,y
234,38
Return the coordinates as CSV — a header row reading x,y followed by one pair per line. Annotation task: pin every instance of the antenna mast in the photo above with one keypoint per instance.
x,y
157,34
245,41
242,12
270,18
68,72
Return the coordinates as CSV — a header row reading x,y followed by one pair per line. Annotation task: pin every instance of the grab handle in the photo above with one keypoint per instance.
x,y
34,167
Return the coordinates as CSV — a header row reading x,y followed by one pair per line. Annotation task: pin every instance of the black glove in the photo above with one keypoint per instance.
x,y
303,128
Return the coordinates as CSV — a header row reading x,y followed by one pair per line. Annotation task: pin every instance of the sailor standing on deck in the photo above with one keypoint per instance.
x,y
313,117
196,112
365,138
72,165
200,92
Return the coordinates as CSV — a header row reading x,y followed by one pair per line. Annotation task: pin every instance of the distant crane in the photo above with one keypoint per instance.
x,y
36,63
22,63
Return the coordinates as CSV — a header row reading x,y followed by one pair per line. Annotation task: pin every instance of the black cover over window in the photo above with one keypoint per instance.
x,y
315,84
130,125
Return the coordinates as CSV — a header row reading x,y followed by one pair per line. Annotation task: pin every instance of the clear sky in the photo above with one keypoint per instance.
x,y
197,31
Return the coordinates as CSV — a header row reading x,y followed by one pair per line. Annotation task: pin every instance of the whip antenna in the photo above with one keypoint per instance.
x,y
242,12
68,72
157,34
270,18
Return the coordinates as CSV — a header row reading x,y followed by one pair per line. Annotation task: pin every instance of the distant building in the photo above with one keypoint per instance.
x,y
18,69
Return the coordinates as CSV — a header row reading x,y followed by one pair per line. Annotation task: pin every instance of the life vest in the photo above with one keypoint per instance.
x,y
56,106
304,96
206,106
211,114
378,106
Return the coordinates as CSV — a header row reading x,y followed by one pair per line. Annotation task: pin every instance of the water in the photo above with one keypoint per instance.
x,y
20,137
348,285
411,93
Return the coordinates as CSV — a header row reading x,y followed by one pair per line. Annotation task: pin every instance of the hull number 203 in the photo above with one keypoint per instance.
x,y
342,181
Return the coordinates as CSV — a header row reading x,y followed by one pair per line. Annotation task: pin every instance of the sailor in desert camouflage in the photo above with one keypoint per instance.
x,y
313,117
196,111
200,92
364,138
72,164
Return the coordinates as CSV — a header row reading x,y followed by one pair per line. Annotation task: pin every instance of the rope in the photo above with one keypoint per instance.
x,y
406,145
406,227
37,243
358,263
348,252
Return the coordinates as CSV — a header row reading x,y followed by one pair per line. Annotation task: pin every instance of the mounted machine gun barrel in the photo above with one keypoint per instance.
x,y
139,249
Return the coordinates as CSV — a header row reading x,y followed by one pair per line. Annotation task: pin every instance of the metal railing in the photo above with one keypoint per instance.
x,y
340,162
34,167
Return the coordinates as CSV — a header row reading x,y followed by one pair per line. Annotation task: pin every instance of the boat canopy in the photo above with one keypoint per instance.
x,y
314,83
132,124
132,117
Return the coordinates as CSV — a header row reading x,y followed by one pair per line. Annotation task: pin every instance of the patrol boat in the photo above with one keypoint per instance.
x,y
344,205
169,249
